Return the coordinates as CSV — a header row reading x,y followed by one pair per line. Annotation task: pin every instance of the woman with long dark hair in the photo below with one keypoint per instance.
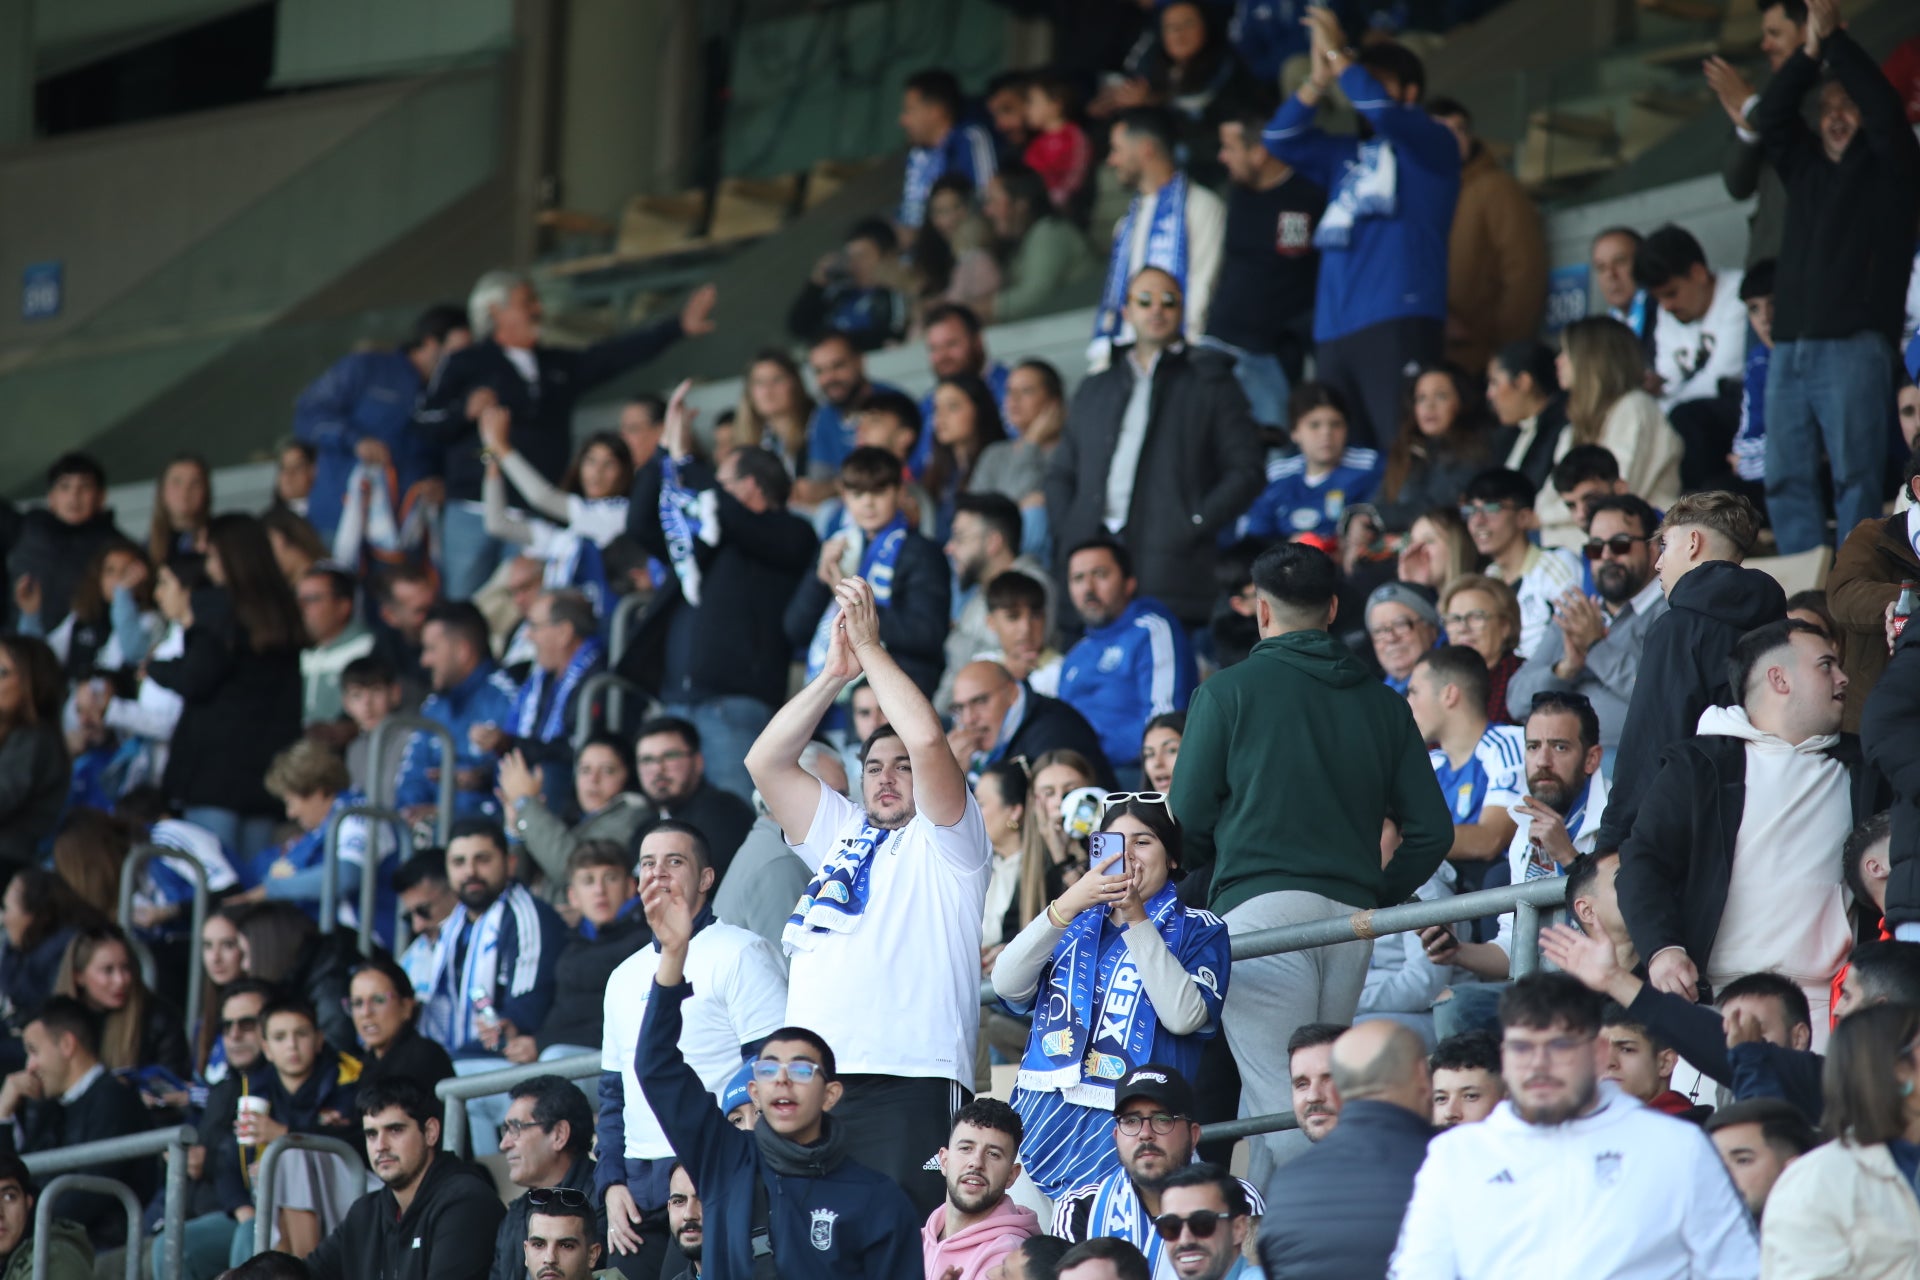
x,y
381,1001
573,521
182,508
40,914
1115,971
33,752
281,945
966,423
112,623
1445,439
238,677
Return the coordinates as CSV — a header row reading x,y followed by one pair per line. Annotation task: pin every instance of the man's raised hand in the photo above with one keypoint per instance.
x,y
859,615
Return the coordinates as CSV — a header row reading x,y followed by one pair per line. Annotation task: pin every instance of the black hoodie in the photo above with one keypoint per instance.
x,y
1683,671
447,1233
56,553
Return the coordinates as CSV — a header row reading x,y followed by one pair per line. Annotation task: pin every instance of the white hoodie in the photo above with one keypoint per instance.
x,y
1622,1192
1786,902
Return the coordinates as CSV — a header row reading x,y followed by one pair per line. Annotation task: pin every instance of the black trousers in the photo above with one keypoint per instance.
x,y
896,1125
1370,368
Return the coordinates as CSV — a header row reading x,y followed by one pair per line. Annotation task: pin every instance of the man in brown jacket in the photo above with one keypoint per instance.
x,y
1874,560
1496,253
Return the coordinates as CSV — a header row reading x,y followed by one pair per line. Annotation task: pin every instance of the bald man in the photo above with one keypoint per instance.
x,y
1333,1212
996,717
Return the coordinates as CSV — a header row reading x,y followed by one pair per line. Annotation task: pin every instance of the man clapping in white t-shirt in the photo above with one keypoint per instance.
x,y
885,942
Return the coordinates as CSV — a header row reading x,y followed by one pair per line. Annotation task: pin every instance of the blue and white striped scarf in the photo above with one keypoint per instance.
x,y
1080,1050
526,707
686,517
1166,249
1117,1212
876,566
449,1017
1370,188
836,897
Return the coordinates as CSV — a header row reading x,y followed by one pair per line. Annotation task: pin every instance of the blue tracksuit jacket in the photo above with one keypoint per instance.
x,y
1122,675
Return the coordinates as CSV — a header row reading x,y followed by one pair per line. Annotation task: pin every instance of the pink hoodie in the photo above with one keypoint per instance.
x,y
974,1250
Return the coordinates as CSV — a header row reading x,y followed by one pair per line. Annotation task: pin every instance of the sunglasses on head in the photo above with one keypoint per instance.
x,y
1619,544
1203,1224
564,1197
1116,798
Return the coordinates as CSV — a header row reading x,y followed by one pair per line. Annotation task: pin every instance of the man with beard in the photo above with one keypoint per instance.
x,y
685,1219
1154,1135
966,1237
562,1243
1316,1102
840,374
1205,1224
996,717
984,543
493,968
670,764
1594,649
1565,1136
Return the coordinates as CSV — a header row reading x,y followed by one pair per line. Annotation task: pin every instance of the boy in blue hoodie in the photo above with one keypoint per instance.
x,y
1381,303
784,1188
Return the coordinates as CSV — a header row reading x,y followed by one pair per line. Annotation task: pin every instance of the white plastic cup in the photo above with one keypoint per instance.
x,y
249,1107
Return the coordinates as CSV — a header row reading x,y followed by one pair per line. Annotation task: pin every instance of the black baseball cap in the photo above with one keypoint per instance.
x,y
1160,1082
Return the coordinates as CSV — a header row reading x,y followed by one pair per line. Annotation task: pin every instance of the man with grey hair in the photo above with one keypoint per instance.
x,y
539,386
567,653
1335,1210
766,877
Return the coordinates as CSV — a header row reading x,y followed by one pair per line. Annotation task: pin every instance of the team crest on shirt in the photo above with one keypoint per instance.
x,y
1110,659
1304,518
822,1233
1606,1168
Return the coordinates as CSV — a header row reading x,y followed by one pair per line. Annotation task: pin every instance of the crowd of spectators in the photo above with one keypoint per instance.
x,y
981,725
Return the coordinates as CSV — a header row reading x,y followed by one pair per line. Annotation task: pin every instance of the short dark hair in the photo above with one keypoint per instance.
x,y
486,828
1151,123
1308,396
1398,61
869,469
1232,1194
370,672
420,1103
768,473
1444,107
702,852
1782,1127
1754,648
1534,359
1040,1256
1888,971
1862,838
945,311
1502,484
1670,251
938,86
1567,702
1016,589
599,853
1758,280
1112,546
1296,575
1024,186
1466,670
1309,1034
875,231
617,743
653,402
271,1265
991,1113
298,1006
436,322
1795,11
429,866
1637,509
1614,1014
1467,1051
1582,463
813,1040
76,463
566,605
1128,1262
64,1015
1769,986
1541,1001
877,737
14,1169
1581,873
684,729
264,989
557,1099
996,511
892,404
463,620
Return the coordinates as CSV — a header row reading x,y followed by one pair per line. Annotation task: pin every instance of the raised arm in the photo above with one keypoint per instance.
x,y
792,794
939,784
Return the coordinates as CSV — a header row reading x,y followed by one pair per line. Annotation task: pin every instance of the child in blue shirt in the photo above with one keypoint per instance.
x,y
1307,491
1749,456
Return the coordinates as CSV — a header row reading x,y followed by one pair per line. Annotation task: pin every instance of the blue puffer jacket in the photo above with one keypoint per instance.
x,y
368,395
485,697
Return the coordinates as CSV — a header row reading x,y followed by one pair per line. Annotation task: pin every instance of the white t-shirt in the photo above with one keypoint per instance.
x,y
1692,359
899,994
739,995
1547,576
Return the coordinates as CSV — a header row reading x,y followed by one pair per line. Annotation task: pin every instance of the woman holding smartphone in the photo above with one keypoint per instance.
x,y
1117,973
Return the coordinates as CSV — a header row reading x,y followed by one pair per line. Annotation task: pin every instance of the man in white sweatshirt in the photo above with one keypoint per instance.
x,y
1733,864
1570,1176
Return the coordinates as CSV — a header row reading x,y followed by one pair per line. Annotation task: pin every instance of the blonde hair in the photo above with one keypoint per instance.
x,y
749,428
1506,605
1607,365
306,768
121,1030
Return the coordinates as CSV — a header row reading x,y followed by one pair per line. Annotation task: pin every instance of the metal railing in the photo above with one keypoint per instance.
x,y
455,1091
141,855
620,626
134,1146
376,817
69,1182
380,776
591,690
263,1188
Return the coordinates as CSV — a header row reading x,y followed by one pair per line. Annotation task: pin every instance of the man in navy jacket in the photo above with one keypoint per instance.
x,y
786,1187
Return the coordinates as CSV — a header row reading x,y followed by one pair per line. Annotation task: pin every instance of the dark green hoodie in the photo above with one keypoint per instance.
x,y
1290,763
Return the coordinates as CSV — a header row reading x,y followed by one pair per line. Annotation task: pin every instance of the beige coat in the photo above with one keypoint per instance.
x,y
1841,1212
1648,450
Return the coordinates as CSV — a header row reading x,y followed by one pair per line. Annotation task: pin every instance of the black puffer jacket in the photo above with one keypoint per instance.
x,y
1200,469
1890,735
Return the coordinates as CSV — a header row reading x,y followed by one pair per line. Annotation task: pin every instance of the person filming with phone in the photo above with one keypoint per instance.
x,y
1116,973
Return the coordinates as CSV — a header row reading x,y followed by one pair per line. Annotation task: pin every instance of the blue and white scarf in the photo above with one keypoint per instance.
x,y
836,897
686,517
526,706
386,527
1166,249
450,1012
876,566
574,561
1370,188
1117,1212
1082,1049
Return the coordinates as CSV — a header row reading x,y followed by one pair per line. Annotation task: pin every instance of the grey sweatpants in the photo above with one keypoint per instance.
x,y
1269,998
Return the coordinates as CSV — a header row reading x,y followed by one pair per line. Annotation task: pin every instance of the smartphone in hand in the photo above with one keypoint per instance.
x,y
1102,845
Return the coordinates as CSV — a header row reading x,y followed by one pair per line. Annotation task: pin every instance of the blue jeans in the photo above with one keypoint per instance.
x,y
1263,380
1475,1006
468,556
484,1115
1830,391
213,1243
244,836
728,726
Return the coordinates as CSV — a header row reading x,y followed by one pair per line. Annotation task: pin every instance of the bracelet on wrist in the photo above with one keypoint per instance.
x,y
1053,917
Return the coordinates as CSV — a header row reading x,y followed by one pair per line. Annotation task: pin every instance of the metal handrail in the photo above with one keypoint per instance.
x,y
139,857
133,1146
43,1218
263,1206
619,629
591,689
380,780
456,1090
369,869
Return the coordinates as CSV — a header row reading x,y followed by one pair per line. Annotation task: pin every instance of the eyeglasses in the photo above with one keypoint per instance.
x,y
1159,1121
1619,545
1166,301
1472,620
357,1004
514,1128
665,757
1115,798
1468,510
229,1026
1558,1047
564,1197
767,1070
1393,630
1203,1224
